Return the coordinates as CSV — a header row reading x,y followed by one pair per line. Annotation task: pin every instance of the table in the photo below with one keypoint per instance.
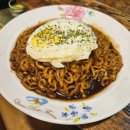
x,y
13,119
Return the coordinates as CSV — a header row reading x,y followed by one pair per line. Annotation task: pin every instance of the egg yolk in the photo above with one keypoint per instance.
x,y
46,38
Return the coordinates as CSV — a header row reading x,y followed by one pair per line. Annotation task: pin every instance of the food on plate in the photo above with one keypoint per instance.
x,y
65,59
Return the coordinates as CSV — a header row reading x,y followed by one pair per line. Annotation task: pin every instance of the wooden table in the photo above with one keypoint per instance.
x,y
13,119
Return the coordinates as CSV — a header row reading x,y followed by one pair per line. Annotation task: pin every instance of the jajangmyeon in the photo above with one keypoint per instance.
x,y
77,79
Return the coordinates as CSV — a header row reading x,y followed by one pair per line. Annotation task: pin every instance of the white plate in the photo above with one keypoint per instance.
x,y
106,103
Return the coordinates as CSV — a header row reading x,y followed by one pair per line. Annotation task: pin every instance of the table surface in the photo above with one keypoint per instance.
x,y
13,119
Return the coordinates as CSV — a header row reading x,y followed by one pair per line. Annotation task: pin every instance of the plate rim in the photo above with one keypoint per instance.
x,y
58,121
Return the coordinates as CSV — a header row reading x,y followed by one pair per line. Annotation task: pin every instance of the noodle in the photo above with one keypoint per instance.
x,y
78,79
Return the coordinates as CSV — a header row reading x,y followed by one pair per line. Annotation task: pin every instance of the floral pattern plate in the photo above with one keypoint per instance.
x,y
106,103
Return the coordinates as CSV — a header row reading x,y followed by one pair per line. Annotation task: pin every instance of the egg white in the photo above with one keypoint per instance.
x,y
78,43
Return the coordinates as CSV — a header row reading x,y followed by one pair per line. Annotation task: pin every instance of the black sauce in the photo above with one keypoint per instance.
x,y
62,96
94,89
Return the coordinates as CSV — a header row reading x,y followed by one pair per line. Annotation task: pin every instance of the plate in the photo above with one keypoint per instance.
x,y
106,103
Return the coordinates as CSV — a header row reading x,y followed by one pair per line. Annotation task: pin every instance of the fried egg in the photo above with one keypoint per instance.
x,y
61,40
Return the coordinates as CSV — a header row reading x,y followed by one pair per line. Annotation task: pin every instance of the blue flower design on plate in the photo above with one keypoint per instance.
x,y
72,106
65,114
90,13
84,116
87,108
74,113
36,100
